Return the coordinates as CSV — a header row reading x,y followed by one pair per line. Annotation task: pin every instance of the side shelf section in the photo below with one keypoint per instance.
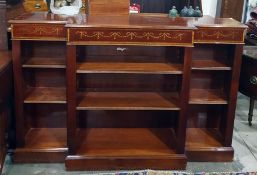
x,y
40,96
213,91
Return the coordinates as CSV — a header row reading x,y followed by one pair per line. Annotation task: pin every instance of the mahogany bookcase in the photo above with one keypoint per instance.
x,y
125,92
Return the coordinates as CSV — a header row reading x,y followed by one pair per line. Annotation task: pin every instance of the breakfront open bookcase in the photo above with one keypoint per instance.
x,y
125,92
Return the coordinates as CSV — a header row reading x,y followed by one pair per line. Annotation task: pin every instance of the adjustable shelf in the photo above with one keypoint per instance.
x,y
136,68
45,62
46,95
127,101
207,96
209,64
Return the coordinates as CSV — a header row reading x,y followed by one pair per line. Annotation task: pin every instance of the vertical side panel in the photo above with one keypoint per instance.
x,y
234,83
19,93
71,97
184,98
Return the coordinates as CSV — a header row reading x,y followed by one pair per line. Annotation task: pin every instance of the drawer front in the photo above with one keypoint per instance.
x,y
38,32
130,37
226,36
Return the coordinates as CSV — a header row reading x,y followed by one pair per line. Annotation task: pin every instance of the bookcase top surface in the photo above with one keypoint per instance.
x,y
143,20
39,17
208,21
130,21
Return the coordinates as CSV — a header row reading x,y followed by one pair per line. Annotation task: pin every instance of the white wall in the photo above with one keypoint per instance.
x,y
209,7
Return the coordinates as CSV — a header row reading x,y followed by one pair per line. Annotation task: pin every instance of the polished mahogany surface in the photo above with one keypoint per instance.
x,y
130,21
39,17
92,77
209,21
5,59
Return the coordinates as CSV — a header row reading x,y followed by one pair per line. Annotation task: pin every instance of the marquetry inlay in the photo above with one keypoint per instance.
x,y
219,35
130,36
38,31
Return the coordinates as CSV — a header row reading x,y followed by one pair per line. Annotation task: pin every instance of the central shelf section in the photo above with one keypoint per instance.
x,y
127,101
136,68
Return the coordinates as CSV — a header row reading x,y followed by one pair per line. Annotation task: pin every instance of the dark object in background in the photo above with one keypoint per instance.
x,y
48,2
252,25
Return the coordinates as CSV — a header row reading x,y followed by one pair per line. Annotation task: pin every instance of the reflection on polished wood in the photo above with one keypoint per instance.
x,y
46,95
207,96
201,142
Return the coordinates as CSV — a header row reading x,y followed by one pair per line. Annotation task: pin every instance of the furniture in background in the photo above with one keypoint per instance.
x,y
232,9
125,92
248,77
5,100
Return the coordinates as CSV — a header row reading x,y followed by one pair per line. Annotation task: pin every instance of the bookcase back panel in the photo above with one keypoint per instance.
x,y
128,54
128,82
209,80
205,116
45,78
47,116
126,119
48,49
211,51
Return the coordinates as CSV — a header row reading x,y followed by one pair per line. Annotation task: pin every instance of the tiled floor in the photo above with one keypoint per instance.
x,y
244,143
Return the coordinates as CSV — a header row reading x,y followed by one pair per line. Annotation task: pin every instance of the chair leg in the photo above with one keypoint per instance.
x,y
250,115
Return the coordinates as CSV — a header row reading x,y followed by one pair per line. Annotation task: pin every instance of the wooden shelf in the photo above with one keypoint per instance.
x,y
127,101
103,148
209,64
44,62
126,142
201,142
46,95
44,145
136,68
202,138
207,96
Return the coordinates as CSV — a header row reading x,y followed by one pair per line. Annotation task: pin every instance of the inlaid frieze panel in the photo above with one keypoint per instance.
x,y
39,31
130,37
207,35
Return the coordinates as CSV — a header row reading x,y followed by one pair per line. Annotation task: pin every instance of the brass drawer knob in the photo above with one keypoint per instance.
x,y
253,80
